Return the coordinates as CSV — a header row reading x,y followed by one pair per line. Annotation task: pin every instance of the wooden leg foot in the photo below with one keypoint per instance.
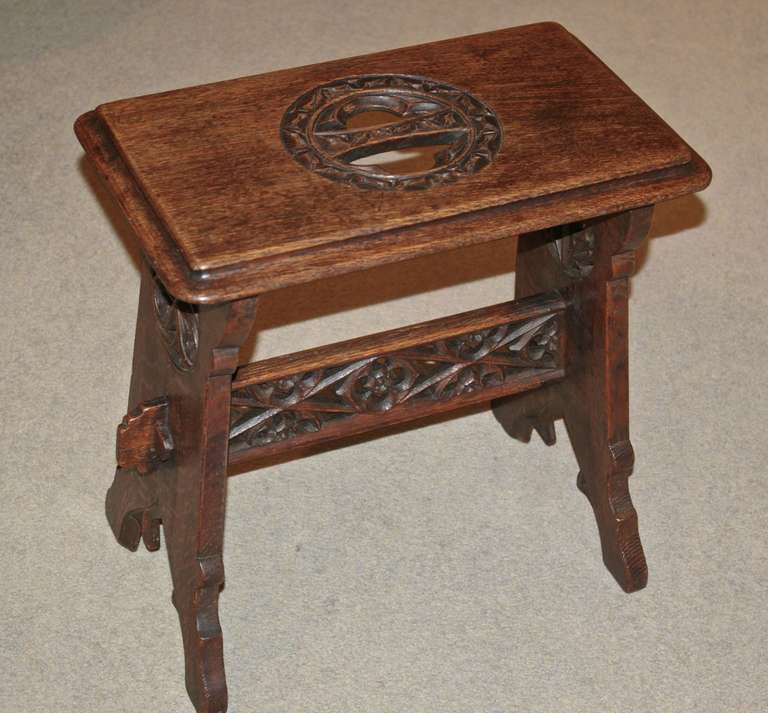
x,y
198,609
131,508
591,263
617,518
172,448
595,399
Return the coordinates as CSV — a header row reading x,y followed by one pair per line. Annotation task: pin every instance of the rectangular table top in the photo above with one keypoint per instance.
x,y
242,186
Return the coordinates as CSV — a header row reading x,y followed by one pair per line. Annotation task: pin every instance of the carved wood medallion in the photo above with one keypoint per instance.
x,y
178,323
440,371
337,128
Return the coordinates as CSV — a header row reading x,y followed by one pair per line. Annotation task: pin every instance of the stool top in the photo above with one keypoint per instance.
x,y
243,186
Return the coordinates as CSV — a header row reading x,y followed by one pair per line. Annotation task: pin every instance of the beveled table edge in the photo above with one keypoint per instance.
x,y
255,277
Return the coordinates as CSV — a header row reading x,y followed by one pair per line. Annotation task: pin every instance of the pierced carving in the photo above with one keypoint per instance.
x,y
443,370
143,437
281,426
320,130
178,323
575,250
470,379
288,390
379,385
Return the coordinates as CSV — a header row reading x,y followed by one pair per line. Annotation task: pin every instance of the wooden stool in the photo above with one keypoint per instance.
x,y
241,187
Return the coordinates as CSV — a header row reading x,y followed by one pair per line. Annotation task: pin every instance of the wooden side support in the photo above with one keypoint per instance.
x,y
356,386
192,410
184,358
592,263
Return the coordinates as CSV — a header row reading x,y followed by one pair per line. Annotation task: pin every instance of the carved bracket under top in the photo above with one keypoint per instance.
x,y
574,249
143,438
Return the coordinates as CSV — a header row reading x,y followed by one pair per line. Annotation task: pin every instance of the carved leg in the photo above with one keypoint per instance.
x,y
143,438
195,525
173,450
596,392
592,264
536,271
533,411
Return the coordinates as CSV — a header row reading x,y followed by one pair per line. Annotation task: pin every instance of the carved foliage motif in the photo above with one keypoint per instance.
x,y
178,323
304,403
320,132
575,250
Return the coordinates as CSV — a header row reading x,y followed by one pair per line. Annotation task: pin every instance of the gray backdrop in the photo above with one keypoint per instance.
x,y
444,570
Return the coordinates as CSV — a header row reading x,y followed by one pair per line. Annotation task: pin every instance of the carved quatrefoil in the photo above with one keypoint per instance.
x,y
339,129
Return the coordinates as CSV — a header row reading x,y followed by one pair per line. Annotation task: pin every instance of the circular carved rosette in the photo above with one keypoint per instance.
x,y
338,129
379,385
178,323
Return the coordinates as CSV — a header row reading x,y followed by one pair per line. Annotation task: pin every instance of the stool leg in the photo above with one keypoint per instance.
x,y
134,495
594,397
596,393
186,356
536,271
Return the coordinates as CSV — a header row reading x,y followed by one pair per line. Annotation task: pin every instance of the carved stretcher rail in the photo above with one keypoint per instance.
x,y
348,388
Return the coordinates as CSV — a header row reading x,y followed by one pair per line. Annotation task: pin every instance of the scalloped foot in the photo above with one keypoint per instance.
x,y
198,611
617,520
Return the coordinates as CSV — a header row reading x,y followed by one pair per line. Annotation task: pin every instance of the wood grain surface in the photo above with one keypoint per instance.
x,y
222,211
352,387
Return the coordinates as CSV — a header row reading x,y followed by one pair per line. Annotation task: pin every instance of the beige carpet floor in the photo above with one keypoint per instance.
x,y
441,570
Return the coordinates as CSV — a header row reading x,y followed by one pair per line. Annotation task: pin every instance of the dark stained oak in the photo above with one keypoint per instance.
x,y
223,210
352,387
263,182
594,398
143,438
185,493
398,339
